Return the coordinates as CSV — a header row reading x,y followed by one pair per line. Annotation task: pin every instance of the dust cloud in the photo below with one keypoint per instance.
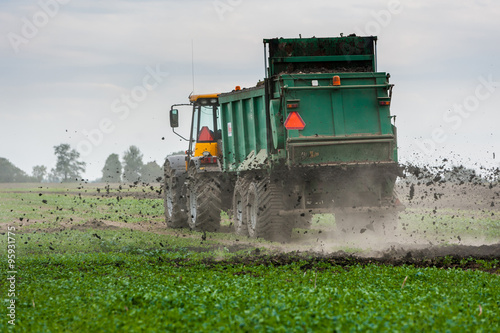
x,y
449,210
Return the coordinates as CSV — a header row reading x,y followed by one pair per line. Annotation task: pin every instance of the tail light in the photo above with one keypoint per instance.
x,y
208,160
384,101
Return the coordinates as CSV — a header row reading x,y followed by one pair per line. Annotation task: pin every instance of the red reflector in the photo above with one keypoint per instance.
x,y
385,103
294,121
205,134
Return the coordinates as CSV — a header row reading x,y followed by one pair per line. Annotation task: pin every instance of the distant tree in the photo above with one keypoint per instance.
x,y
180,152
68,168
112,170
52,177
132,159
151,172
9,173
39,172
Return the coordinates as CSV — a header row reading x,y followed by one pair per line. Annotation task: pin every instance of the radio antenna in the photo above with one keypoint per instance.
x,y
192,62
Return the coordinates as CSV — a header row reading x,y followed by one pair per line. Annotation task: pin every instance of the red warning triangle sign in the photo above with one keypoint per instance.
x,y
205,135
294,121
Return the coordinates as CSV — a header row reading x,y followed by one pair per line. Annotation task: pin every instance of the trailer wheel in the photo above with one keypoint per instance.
x,y
174,198
239,207
204,201
264,203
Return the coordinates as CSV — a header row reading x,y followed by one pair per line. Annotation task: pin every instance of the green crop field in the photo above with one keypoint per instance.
x,y
90,259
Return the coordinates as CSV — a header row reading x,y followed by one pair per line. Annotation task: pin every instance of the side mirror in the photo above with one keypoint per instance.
x,y
174,118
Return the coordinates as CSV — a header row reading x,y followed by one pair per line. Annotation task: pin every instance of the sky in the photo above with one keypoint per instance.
x,y
101,75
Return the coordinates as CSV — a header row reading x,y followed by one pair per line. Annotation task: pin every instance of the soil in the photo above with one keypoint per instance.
x,y
425,258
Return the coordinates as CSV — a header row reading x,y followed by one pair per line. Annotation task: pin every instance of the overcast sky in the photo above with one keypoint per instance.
x,y
101,75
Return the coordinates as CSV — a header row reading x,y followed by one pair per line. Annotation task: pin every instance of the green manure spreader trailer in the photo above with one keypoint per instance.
x,y
316,136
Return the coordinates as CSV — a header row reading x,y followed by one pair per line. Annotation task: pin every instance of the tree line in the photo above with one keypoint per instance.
x,y
132,169
69,168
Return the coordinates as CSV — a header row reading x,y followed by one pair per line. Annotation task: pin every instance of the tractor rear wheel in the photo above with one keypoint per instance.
x,y
204,201
174,198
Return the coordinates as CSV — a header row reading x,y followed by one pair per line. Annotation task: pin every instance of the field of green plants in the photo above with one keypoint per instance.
x,y
90,259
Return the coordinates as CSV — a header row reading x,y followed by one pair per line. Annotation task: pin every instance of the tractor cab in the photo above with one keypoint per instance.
x,y
205,127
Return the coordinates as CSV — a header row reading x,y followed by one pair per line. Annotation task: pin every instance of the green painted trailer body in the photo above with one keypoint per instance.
x,y
344,124
244,128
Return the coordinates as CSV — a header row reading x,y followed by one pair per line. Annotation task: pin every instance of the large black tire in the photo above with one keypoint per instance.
x,y
174,198
239,206
204,200
264,203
